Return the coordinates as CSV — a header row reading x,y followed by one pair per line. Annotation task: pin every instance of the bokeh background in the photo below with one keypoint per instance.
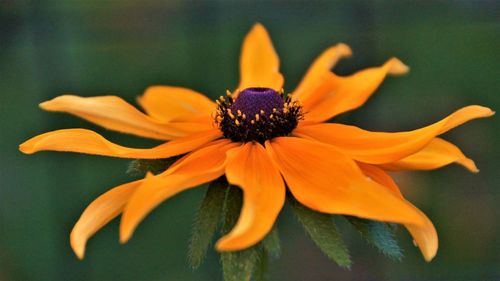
x,y
89,48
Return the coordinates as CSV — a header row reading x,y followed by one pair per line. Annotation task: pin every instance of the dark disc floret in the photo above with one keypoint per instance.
x,y
257,114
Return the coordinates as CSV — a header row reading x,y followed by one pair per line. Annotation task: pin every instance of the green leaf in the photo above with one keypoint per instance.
x,y
243,265
262,268
207,221
378,234
271,243
240,265
323,232
232,206
140,167
237,265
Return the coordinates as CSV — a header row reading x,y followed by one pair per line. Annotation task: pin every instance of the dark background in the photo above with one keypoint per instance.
x,y
48,48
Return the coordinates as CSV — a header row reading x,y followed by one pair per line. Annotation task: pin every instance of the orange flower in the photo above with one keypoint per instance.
x,y
262,142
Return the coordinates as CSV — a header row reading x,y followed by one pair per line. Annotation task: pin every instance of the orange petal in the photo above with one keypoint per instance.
x,y
196,168
89,142
316,73
341,94
259,63
325,180
101,211
381,148
263,195
116,114
424,235
436,154
166,103
378,175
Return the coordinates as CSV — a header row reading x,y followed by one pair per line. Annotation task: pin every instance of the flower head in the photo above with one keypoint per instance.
x,y
264,142
257,114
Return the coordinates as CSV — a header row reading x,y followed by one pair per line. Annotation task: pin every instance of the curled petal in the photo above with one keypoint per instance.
x,y
381,147
259,63
101,211
424,235
339,94
436,154
315,75
196,168
325,180
167,104
250,168
89,142
116,114
380,176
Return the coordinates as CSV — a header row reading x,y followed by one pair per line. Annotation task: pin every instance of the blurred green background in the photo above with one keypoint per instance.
x,y
89,48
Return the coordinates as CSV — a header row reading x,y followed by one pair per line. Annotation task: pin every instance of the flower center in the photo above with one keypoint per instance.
x,y
252,100
257,114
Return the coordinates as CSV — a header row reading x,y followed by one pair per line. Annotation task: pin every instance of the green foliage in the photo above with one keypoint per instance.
x,y
238,265
232,206
207,221
262,268
251,262
222,203
271,243
378,234
323,232
140,167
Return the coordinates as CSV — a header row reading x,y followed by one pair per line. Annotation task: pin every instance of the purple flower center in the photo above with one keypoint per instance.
x,y
252,100
257,114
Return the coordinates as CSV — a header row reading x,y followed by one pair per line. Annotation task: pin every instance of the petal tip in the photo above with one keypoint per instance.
x,y
52,105
469,165
77,246
224,245
44,105
219,247
258,26
126,229
80,254
344,49
397,67
22,147
26,147
258,29
478,111
430,253
125,235
430,258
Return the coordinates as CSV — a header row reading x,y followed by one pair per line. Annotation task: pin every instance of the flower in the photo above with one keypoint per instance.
x,y
264,143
